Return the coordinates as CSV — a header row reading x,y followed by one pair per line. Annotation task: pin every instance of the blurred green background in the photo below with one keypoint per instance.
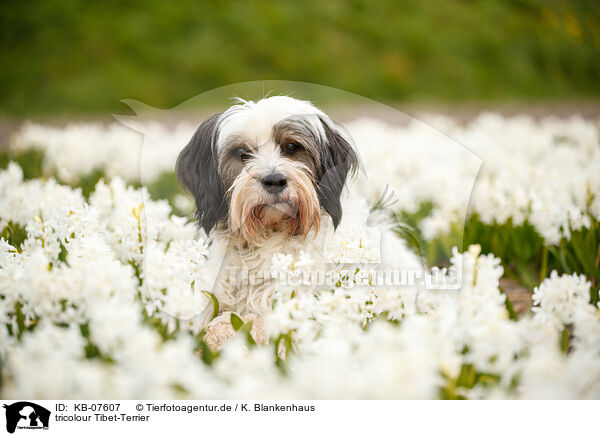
x,y
73,56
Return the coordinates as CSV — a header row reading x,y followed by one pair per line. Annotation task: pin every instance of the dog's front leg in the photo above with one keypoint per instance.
x,y
220,330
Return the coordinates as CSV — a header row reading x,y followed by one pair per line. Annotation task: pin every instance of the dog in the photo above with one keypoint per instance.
x,y
267,177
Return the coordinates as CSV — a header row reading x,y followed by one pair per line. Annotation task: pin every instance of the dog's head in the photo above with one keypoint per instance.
x,y
267,166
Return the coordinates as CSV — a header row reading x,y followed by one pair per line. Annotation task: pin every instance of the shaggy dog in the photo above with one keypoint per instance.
x,y
267,177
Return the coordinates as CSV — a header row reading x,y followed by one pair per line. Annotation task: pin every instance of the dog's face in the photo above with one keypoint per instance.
x,y
264,167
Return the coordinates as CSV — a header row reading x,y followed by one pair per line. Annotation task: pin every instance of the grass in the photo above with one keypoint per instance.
x,y
77,57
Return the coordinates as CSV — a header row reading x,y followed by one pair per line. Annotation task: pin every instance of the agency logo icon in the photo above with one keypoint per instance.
x,y
26,415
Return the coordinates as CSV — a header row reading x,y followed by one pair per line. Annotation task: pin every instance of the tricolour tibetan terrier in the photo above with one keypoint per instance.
x,y
265,176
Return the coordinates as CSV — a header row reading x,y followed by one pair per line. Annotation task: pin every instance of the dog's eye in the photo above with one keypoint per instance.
x,y
243,154
291,147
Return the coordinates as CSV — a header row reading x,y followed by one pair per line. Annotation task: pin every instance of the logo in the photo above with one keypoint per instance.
x,y
26,415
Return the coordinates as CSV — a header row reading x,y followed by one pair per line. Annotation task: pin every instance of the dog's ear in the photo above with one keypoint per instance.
x,y
338,159
197,171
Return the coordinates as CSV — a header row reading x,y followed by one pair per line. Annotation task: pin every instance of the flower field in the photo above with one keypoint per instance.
x,y
102,270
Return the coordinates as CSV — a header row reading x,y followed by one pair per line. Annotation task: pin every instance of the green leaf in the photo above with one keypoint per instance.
x,y
509,307
207,354
585,259
14,234
526,275
214,301
247,329
544,266
62,256
236,322
466,378
564,340
179,388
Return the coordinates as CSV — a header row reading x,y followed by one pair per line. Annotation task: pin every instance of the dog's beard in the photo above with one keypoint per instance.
x,y
254,214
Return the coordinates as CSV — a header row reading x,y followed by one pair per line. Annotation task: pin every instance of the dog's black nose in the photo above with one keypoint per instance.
x,y
274,183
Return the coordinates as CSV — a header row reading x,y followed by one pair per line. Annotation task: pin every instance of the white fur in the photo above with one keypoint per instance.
x,y
255,120
379,244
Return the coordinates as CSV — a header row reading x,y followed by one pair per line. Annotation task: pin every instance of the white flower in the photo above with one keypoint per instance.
x,y
559,298
103,294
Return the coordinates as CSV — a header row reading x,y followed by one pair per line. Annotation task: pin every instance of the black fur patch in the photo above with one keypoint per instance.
x,y
197,171
338,159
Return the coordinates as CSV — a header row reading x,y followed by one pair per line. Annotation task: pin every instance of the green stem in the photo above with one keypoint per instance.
x,y
544,267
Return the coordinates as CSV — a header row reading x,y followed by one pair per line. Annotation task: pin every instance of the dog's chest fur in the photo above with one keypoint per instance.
x,y
244,284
